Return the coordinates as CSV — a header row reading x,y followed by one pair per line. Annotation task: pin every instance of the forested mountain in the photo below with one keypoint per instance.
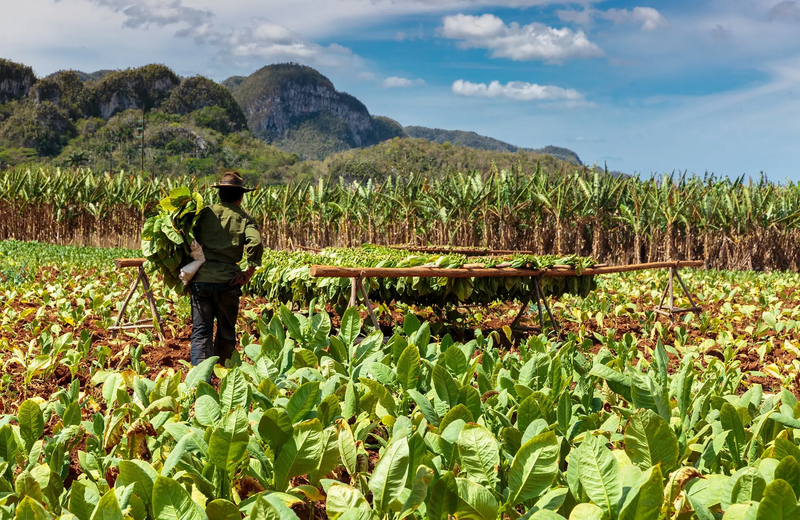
x,y
282,122
481,142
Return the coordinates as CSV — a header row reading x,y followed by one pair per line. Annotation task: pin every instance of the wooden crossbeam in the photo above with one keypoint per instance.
x,y
329,271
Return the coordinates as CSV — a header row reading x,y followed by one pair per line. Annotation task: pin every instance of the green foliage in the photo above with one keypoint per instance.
x,y
198,93
403,156
44,127
166,237
286,276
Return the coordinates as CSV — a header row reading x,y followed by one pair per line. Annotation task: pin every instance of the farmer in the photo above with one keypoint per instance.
x,y
226,233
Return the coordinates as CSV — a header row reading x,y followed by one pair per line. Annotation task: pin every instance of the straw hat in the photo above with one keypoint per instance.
x,y
232,180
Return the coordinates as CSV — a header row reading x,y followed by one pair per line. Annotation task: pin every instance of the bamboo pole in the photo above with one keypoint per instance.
x,y
327,271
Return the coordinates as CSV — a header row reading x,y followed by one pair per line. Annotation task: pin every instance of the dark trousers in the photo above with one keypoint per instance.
x,y
212,301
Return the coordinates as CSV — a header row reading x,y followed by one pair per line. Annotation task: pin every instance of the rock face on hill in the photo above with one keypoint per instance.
x,y
298,107
144,87
16,80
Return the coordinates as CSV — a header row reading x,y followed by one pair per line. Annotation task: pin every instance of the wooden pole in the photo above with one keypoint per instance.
x,y
125,305
368,305
327,271
152,300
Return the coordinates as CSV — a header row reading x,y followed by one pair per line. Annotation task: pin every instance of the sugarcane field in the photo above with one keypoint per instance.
x,y
399,260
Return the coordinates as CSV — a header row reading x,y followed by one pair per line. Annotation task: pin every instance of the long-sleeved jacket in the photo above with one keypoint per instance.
x,y
227,233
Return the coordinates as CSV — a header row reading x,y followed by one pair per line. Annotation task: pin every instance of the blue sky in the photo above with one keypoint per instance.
x,y
707,85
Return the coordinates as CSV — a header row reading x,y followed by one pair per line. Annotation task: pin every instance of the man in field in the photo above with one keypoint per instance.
x,y
226,233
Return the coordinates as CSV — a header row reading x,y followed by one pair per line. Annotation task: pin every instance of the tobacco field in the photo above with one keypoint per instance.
x,y
443,413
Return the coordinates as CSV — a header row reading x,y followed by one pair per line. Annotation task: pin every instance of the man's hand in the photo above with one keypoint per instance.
x,y
242,277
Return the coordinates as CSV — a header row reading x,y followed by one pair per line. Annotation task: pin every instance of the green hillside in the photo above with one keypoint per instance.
x,y
283,122
482,142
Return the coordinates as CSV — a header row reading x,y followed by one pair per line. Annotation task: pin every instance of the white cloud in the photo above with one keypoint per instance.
x,y
398,82
263,39
271,42
365,76
516,90
582,18
649,18
534,41
785,11
160,13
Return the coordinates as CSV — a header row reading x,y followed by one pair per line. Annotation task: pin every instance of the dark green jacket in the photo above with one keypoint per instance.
x,y
227,233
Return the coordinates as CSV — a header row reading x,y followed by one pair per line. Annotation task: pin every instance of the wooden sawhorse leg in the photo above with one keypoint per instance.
x,y
356,287
672,311
141,324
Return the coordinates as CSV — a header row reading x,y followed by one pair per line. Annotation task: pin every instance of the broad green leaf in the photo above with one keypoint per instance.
x,y
351,326
221,509
26,485
201,372
206,410
533,469
275,428
140,475
731,421
644,502
299,455
31,422
564,412
107,508
271,507
443,498
475,502
227,446
598,473
343,498
778,503
347,447
82,500
445,386
234,391
389,476
741,512
425,406
479,454
303,400
172,502
408,368
789,470
745,485
419,490
650,441
587,512
30,509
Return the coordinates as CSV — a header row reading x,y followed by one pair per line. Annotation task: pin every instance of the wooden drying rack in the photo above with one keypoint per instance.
x,y
357,275
156,321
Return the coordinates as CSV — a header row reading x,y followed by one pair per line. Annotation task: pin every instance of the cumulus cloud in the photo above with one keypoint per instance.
x,y
534,41
649,18
271,42
160,13
398,82
262,39
785,11
516,90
